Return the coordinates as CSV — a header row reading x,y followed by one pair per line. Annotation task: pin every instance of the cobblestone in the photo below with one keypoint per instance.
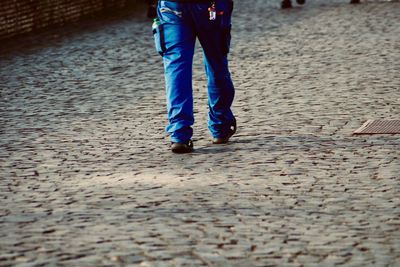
x,y
87,178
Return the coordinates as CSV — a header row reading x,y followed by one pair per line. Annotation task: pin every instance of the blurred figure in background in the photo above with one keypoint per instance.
x,y
152,9
288,3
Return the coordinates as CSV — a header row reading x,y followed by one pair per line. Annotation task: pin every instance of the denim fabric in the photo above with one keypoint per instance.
x,y
180,25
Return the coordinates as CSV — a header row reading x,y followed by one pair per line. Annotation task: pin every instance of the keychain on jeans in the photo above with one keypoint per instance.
x,y
212,11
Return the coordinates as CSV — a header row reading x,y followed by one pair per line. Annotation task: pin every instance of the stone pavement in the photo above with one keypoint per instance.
x,y
87,178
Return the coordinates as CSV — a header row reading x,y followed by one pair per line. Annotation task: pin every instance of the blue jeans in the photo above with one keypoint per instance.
x,y
175,37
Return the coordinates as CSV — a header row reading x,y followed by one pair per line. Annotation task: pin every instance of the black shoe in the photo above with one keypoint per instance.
x,y
301,2
354,1
224,140
181,148
286,4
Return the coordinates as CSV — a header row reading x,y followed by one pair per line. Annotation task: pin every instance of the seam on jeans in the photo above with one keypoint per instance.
x,y
167,9
162,40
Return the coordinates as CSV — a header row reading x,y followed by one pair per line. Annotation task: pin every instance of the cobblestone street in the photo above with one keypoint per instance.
x,y
87,177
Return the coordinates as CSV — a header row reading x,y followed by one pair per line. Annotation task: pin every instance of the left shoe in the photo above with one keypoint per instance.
x,y
224,140
182,148
301,2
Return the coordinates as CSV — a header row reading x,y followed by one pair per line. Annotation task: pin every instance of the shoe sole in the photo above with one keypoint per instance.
x,y
181,150
220,141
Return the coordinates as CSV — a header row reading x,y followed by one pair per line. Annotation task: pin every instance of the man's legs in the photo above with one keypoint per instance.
x,y
179,41
214,36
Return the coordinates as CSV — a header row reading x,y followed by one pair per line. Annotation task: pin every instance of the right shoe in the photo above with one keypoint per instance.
x,y
224,140
182,148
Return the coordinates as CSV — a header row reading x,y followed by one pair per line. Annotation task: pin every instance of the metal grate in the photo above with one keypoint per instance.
x,y
379,127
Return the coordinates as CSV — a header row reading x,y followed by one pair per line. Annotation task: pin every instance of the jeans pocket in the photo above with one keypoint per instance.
x,y
224,10
225,15
159,36
170,12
